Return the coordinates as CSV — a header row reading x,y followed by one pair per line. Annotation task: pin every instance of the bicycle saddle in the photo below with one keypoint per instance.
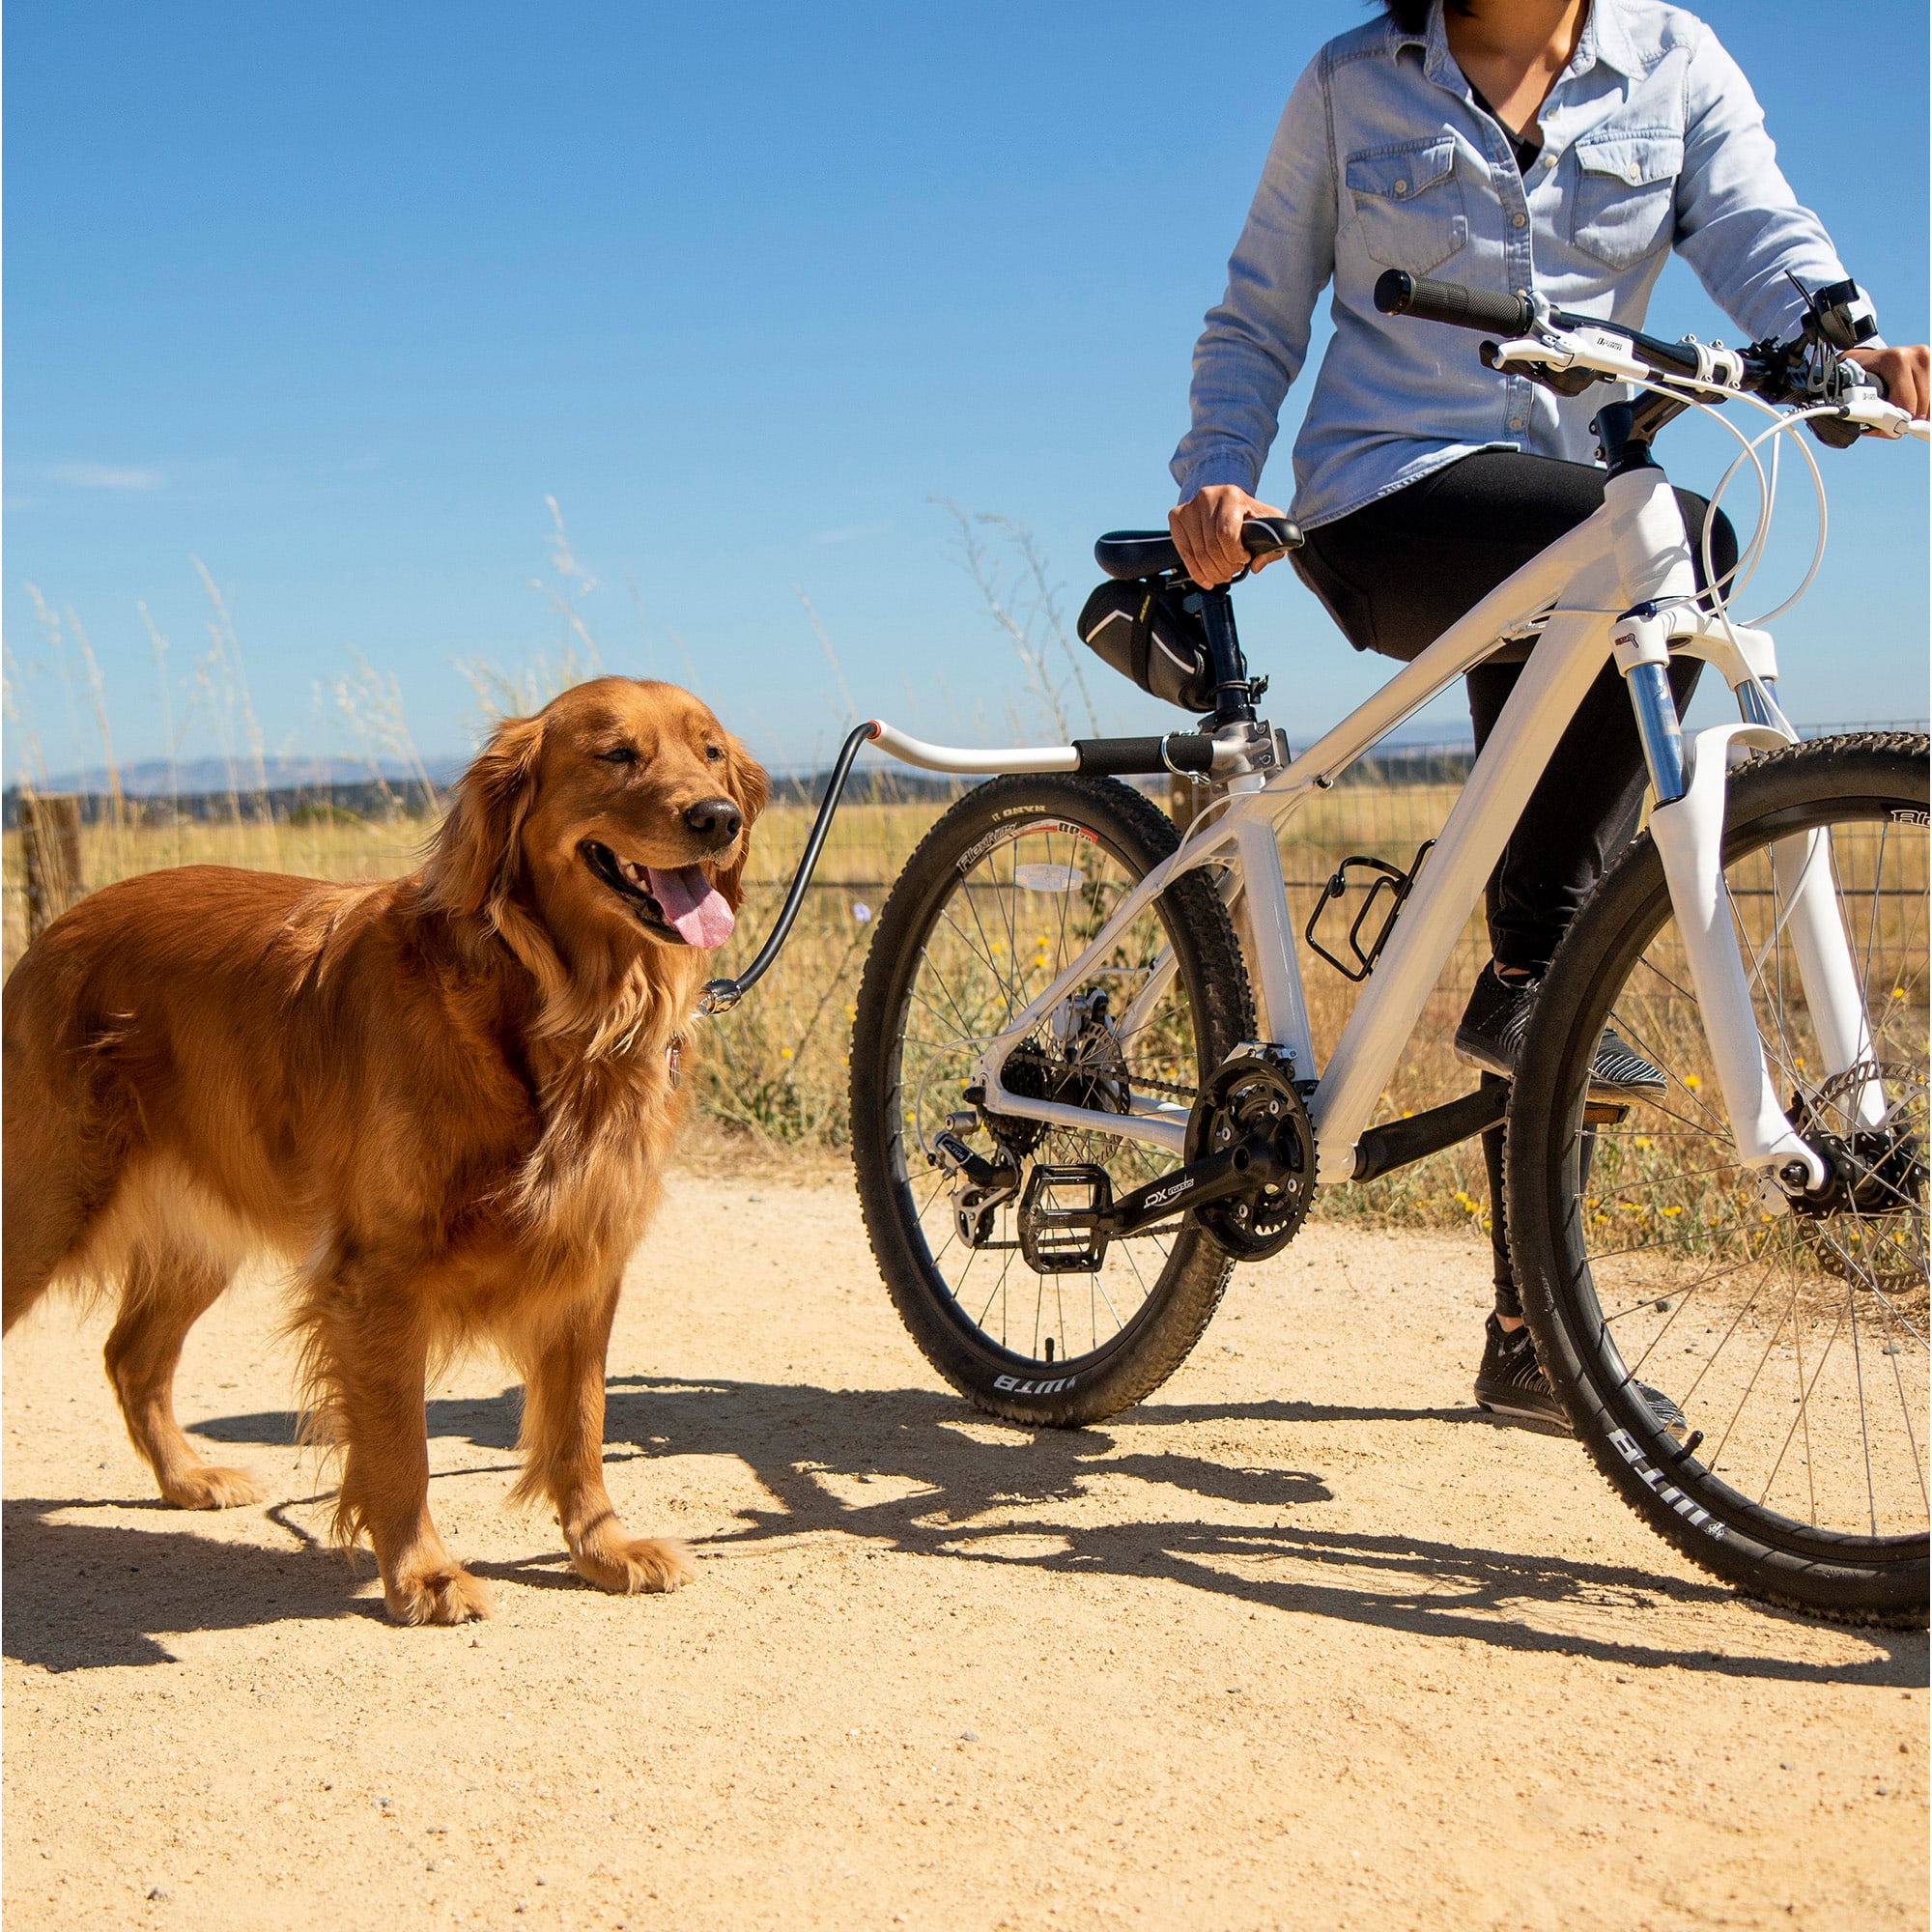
x,y
1132,554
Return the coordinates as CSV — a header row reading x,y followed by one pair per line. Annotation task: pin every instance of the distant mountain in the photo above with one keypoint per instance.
x,y
189,778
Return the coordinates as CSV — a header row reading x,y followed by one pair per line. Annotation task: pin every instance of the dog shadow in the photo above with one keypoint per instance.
x,y
920,1472
79,1596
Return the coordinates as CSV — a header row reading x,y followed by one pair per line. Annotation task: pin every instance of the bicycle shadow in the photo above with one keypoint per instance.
x,y
969,1490
920,1472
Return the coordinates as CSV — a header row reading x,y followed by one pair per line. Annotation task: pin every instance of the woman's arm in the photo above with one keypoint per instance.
x,y
1742,229
1256,339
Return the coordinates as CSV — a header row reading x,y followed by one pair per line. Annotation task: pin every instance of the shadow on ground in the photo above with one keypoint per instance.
x,y
79,1596
954,1487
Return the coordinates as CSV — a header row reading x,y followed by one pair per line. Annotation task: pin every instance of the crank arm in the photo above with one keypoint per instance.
x,y
1233,1170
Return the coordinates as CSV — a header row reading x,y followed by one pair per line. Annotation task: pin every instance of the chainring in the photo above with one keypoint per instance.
x,y
1253,1097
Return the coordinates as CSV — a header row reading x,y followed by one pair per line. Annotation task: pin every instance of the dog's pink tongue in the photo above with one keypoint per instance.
x,y
693,904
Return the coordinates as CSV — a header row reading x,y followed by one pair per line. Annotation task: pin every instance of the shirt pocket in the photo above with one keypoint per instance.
x,y
1408,204
1626,194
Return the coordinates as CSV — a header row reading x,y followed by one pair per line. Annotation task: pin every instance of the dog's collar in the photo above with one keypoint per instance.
x,y
673,1061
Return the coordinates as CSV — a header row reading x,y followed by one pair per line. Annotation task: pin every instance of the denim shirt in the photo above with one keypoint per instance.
x,y
1652,139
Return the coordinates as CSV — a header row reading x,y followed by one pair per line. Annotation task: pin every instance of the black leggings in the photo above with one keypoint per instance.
x,y
1396,574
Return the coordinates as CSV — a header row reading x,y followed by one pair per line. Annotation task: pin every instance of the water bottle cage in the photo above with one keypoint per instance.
x,y
1390,889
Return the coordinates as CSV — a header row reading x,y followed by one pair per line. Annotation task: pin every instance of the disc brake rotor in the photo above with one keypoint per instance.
x,y
1870,1227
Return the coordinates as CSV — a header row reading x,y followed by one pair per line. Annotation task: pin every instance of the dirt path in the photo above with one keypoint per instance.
x,y
1302,1642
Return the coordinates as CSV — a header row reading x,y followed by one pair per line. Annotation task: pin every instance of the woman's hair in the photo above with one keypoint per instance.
x,y
1412,16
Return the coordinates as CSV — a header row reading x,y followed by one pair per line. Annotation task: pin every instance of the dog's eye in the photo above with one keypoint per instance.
x,y
619,754
714,753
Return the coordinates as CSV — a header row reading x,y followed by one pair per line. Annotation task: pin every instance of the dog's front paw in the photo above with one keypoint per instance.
x,y
206,1489
629,1565
446,1595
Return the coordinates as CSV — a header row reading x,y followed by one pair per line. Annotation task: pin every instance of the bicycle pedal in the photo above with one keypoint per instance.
x,y
1064,1217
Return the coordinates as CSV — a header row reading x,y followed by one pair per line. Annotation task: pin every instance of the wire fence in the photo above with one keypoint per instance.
x,y
776,1068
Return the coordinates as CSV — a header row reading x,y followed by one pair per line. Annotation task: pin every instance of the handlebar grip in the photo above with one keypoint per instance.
x,y
1399,293
1268,536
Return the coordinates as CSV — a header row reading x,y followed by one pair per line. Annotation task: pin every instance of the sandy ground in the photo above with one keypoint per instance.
x,y
1302,1642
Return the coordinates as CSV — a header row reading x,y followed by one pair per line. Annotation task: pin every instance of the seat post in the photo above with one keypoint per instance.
x,y
1232,705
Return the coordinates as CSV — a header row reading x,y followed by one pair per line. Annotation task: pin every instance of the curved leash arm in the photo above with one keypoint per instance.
x,y
721,995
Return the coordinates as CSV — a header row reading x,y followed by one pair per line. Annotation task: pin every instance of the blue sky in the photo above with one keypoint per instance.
x,y
334,298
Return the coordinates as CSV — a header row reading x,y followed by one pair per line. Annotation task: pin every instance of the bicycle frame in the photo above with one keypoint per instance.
x,y
1620,583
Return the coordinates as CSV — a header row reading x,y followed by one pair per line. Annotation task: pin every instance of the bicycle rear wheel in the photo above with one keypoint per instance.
x,y
1789,1451
1007,887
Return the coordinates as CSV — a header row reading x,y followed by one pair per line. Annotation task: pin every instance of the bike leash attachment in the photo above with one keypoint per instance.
x,y
721,995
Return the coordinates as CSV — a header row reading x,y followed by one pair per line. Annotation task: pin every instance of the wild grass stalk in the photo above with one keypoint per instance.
x,y
227,657
1012,575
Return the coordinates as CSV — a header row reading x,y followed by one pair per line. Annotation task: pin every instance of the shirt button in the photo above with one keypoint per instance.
x,y
1519,220
1634,171
1515,422
1402,187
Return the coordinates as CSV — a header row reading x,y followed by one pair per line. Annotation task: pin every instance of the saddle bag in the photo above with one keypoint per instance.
x,y
1145,633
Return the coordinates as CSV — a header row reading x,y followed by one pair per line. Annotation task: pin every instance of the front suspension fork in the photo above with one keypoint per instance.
x,y
1690,784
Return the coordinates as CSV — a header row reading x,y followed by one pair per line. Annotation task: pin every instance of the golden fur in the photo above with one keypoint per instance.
x,y
443,1098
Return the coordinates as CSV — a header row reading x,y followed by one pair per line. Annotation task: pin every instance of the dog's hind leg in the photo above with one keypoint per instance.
x,y
562,1441
45,1208
166,1293
33,1250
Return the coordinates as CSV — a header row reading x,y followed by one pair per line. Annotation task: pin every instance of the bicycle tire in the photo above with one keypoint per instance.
x,y
1573,1193
1110,820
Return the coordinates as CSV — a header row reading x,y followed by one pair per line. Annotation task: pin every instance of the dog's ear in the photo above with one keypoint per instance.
x,y
751,788
474,867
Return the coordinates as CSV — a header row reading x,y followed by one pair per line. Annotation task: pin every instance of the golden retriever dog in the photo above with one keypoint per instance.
x,y
445,1100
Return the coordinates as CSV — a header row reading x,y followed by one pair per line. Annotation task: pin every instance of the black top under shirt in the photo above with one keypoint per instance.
x,y
1526,150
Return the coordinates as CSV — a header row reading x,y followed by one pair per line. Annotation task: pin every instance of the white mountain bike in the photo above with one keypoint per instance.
x,y
1078,1097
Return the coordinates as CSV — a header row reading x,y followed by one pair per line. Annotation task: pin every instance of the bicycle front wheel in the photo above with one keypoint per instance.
x,y
1009,886
1754,1381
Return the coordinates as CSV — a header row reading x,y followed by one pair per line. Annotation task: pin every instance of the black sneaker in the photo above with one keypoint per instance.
x,y
1489,1036
1511,1382
1490,1033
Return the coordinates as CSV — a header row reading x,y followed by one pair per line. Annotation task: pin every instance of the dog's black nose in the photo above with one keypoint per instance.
x,y
717,819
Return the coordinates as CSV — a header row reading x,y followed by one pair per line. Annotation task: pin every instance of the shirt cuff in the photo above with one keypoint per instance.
x,y
1218,465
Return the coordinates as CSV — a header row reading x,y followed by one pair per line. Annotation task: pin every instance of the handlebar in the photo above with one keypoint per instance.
x,y
1399,293
1811,369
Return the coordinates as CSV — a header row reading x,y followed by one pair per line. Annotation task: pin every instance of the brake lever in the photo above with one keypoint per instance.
x,y
1875,415
1568,360
1560,382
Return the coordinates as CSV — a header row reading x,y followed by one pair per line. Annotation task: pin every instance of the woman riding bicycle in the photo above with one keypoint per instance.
x,y
1564,146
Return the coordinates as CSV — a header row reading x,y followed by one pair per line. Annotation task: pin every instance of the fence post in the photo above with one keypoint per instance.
x,y
1183,801
50,852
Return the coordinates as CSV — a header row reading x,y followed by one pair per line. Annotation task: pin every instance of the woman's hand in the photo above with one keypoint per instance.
x,y
1906,373
1207,533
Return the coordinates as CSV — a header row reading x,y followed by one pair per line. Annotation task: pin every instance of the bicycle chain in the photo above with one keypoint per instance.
x,y
1147,1083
